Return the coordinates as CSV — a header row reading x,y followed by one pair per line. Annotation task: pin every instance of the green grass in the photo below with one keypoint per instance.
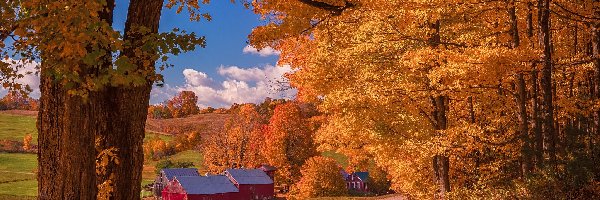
x,y
17,175
148,173
340,158
15,127
166,138
13,197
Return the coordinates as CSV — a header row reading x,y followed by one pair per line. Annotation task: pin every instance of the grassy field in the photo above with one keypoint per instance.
x,y
17,175
148,173
15,127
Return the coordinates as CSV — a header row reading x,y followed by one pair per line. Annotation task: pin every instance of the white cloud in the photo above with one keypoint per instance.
x,y
32,79
267,51
161,94
251,85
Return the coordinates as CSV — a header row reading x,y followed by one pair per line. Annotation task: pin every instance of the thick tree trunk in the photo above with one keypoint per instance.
x,y
546,81
68,126
129,104
66,153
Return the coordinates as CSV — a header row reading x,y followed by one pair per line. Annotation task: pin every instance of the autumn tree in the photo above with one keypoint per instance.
x,y
184,104
159,111
95,88
288,142
320,178
188,141
16,100
238,144
446,96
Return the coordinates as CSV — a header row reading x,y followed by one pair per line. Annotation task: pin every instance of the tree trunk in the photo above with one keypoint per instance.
x,y
68,126
521,95
523,124
546,81
66,153
596,58
129,104
441,163
537,131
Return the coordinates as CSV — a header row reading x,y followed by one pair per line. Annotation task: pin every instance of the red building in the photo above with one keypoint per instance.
x,y
201,188
252,183
167,175
357,181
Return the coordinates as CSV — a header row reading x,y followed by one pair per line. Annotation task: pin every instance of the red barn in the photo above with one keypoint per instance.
x,y
200,188
252,183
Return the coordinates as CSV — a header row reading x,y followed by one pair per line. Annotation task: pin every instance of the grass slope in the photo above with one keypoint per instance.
x,y
15,127
17,175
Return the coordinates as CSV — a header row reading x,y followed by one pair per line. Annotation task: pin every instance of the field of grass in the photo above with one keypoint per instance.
x,y
150,135
17,175
15,127
341,159
149,171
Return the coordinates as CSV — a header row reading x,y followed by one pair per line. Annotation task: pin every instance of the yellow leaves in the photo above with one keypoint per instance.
x,y
320,177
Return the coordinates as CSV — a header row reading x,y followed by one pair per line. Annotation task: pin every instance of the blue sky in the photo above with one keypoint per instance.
x,y
223,61
226,71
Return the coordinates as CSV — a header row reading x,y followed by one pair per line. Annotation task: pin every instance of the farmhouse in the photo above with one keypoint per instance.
x,y
215,187
167,175
252,183
356,181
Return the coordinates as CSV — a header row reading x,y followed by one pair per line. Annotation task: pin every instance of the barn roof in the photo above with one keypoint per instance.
x,y
177,172
362,175
206,184
249,176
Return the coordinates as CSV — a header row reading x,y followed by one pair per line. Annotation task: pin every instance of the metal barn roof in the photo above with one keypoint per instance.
x,y
249,176
206,184
177,172
364,176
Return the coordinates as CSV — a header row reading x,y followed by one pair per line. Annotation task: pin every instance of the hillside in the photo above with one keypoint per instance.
x,y
205,123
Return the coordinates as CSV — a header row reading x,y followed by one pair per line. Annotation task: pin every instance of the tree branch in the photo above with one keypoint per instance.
x,y
335,10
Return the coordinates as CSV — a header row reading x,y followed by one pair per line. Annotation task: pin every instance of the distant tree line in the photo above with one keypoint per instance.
x,y
17,101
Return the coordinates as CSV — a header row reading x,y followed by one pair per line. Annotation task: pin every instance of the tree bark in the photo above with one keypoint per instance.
x,y
523,124
129,103
546,81
441,163
66,153
537,131
596,58
68,126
